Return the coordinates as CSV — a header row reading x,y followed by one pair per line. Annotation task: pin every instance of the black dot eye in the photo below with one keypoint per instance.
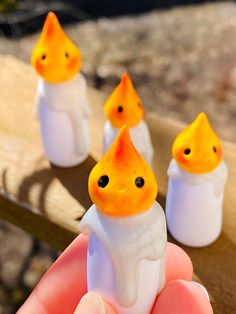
x,y
66,54
103,181
139,104
214,149
43,57
139,182
120,109
187,151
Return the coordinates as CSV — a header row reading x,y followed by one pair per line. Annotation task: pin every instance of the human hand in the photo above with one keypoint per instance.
x,y
63,289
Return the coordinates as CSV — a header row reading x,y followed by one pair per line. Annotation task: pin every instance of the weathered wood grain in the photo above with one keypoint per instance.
x,y
49,201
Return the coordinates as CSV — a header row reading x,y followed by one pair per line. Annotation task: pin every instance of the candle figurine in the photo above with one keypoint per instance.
x,y
197,175
62,103
124,107
126,229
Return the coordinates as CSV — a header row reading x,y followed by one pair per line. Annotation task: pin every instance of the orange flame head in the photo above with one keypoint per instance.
x,y
55,57
124,106
197,149
122,183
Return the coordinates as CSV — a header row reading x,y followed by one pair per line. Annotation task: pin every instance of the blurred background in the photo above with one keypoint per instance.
x,y
180,54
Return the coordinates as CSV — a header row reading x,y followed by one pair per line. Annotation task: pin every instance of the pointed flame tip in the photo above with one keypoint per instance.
x,y
123,136
124,78
51,24
123,145
202,115
51,14
51,17
124,75
202,119
124,130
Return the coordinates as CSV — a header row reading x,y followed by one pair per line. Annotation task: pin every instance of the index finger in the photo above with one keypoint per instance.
x,y
64,283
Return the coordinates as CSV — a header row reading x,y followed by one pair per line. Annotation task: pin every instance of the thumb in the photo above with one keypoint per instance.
x,y
183,297
92,303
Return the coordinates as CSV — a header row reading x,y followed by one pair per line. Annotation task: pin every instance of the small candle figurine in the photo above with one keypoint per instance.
x,y
197,175
62,102
124,107
126,229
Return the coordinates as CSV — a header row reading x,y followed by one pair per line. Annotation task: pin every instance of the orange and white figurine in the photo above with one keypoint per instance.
x,y
124,107
63,108
126,229
197,175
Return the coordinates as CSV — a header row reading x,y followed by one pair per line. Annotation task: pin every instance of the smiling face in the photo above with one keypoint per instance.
x,y
55,57
197,149
124,106
122,183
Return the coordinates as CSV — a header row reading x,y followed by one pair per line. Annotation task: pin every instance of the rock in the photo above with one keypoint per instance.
x,y
15,248
37,268
23,261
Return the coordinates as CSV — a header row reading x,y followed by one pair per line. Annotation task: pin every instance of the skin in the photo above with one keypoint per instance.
x,y
124,106
123,165
197,149
63,289
55,57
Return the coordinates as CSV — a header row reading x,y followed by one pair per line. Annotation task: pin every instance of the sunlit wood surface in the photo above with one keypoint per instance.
x,y
49,202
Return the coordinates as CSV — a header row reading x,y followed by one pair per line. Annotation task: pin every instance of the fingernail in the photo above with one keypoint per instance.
x,y
202,288
94,301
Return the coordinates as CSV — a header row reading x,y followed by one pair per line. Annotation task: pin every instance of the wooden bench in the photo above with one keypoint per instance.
x,y
49,202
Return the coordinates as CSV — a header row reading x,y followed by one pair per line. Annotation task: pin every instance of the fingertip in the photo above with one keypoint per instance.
x,y
202,288
92,303
183,297
178,264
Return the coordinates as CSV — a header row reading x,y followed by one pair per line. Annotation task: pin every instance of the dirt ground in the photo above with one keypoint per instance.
x,y
182,61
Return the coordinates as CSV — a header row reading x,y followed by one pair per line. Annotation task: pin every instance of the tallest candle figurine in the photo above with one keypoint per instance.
x,y
197,175
62,102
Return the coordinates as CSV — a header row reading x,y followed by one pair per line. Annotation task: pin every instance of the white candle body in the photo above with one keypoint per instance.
x,y
101,279
194,205
63,113
140,137
103,258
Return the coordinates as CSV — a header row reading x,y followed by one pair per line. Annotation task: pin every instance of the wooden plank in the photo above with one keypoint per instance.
x,y
49,201
27,178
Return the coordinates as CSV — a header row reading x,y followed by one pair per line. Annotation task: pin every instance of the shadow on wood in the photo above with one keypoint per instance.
x,y
74,179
